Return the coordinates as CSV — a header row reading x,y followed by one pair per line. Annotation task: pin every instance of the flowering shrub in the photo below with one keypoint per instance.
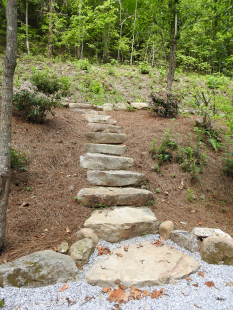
x,y
165,107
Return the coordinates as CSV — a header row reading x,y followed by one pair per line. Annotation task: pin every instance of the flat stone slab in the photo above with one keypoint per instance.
x,y
96,127
204,232
145,265
120,223
108,138
113,196
96,118
96,161
105,149
85,111
115,178
39,269
84,106
139,105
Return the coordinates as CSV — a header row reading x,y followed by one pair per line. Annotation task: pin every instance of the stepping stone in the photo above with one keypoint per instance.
x,y
84,111
84,106
139,105
144,265
108,138
96,118
115,178
204,232
96,161
94,127
106,149
112,196
120,223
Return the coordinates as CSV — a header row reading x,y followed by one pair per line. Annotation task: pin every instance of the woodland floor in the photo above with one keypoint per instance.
x,y
53,150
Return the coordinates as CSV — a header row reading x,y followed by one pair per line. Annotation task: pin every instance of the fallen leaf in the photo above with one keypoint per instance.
x,y
196,284
166,193
157,294
126,248
119,254
42,237
118,295
123,287
106,289
229,283
197,306
64,287
80,267
176,223
209,283
25,204
135,292
102,250
188,279
200,223
146,293
200,273
117,281
68,230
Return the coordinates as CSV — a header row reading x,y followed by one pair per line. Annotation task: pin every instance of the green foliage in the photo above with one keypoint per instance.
x,y
210,136
96,87
144,68
228,156
33,106
18,160
2,303
48,82
215,82
83,64
165,107
190,194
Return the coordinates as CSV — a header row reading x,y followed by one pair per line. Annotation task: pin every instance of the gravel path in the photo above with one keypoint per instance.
x,y
179,296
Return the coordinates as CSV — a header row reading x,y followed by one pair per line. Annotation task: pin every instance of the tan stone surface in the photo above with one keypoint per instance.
x,y
139,105
107,107
119,106
84,106
120,223
81,250
96,161
204,232
215,250
95,127
165,229
142,266
96,118
107,138
115,178
87,233
113,196
105,149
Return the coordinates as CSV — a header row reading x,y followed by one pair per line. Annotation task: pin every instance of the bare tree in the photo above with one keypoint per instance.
x,y
26,20
6,113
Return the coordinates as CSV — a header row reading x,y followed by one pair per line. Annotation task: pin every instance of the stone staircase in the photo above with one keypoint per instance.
x,y
122,212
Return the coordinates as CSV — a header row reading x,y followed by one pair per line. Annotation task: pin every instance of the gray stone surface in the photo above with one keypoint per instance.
x,y
96,127
120,223
84,106
105,149
139,105
185,240
120,106
87,233
81,250
204,232
103,119
165,229
215,250
107,107
145,265
106,138
85,111
39,269
113,196
63,248
115,178
96,161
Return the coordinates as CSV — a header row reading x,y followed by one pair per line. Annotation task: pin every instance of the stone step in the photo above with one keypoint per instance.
x,y
84,106
103,119
106,138
85,111
105,149
142,265
120,223
113,196
96,127
115,178
96,161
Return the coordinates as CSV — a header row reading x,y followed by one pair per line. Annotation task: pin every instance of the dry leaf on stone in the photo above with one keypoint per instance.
x,y
200,223
118,295
102,250
197,306
126,248
80,267
146,293
158,242
117,281
64,287
25,204
157,294
229,283
209,283
119,254
106,289
196,284
123,287
135,292
68,230
188,279
200,273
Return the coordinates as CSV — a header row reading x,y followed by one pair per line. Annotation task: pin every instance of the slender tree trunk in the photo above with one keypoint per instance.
x,y
133,39
105,45
50,48
172,58
27,42
6,114
119,45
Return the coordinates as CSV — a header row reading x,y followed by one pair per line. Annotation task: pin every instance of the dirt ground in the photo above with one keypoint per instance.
x,y
53,177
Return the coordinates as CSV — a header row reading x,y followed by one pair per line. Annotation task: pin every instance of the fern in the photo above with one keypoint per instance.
x,y
215,144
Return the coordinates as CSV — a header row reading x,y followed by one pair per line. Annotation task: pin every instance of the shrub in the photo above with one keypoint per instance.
x,y
47,82
83,64
228,157
144,68
33,106
165,107
17,160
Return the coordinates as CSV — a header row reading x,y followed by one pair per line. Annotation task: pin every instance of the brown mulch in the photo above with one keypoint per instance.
x,y
53,177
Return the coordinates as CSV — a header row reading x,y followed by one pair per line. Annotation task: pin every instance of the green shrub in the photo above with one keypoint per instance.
x,y
47,82
17,160
228,157
144,68
96,87
215,82
165,107
33,106
83,64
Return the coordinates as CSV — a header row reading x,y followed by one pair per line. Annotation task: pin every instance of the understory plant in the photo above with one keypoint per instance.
x,y
165,106
18,160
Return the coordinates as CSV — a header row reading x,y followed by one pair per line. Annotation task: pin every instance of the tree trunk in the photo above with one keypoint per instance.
x,y
50,48
172,58
105,44
27,42
6,114
119,44
133,39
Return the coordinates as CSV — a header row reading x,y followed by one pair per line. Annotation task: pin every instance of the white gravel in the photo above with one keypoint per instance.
x,y
180,296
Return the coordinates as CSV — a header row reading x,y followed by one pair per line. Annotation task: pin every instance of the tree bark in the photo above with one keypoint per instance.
x,y
50,48
6,114
27,42
172,58
133,39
